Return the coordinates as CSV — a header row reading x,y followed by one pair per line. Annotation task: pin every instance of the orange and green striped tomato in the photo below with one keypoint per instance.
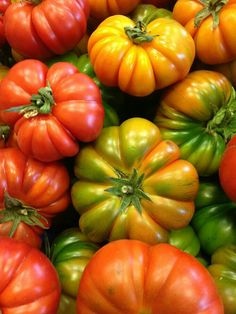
x,y
131,184
198,115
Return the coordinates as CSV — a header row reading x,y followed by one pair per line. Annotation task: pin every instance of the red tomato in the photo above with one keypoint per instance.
x,y
227,170
2,35
130,276
34,188
3,6
29,283
60,107
44,29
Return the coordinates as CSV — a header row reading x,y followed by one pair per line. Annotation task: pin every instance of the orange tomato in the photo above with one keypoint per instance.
x,y
100,9
139,58
212,24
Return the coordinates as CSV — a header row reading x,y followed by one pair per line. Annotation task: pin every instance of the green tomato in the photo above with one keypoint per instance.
x,y
131,184
186,240
148,12
215,218
70,252
223,270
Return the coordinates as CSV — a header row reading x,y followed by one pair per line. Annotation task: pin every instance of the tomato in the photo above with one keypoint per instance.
x,y
148,13
52,102
223,270
227,170
211,24
228,69
195,114
214,220
100,9
186,240
3,6
2,34
35,30
135,277
159,3
109,94
131,184
29,282
31,193
162,49
70,252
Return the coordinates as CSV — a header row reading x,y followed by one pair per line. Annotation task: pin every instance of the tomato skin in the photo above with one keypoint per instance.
x,y
223,270
227,170
76,98
2,34
187,115
44,187
134,145
166,59
149,12
3,6
43,35
132,279
214,220
102,9
186,240
222,48
29,282
70,252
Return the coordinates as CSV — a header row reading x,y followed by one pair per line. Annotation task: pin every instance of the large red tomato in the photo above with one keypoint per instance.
x,y
60,107
29,283
40,29
227,170
131,277
30,192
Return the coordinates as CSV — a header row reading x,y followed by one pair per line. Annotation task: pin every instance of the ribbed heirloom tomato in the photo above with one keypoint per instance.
x,y
100,9
212,24
132,277
60,107
30,191
198,114
42,28
131,184
29,283
142,58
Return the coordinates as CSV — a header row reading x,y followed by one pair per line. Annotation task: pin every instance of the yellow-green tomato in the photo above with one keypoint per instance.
x,y
70,252
131,184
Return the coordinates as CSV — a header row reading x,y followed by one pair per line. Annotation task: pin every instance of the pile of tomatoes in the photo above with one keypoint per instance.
x,y
117,157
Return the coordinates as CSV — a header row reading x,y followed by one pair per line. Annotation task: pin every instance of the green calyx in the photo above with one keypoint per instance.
x,y
224,120
5,131
211,7
16,212
129,189
41,103
138,34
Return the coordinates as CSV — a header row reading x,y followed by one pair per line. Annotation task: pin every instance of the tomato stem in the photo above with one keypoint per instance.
x,y
224,120
16,212
138,33
211,7
129,188
41,103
